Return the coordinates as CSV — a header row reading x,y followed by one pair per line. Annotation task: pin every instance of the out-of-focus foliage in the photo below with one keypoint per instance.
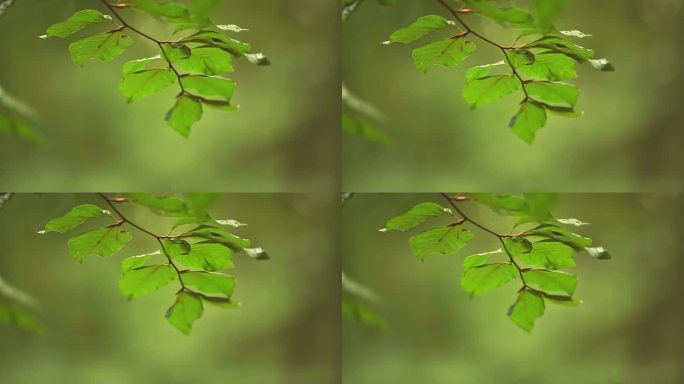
x,y
15,118
624,142
360,119
358,302
628,328
17,308
285,330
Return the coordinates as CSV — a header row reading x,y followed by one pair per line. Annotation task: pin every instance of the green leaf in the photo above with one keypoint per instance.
x,y
549,255
485,278
219,40
101,242
553,93
137,65
446,52
210,283
481,71
416,216
519,57
420,28
602,65
174,248
489,89
442,240
160,204
186,112
530,119
75,217
137,85
358,126
210,86
207,60
478,260
515,17
516,246
200,10
103,47
219,235
560,234
551,281
166,9
527,309
560,45
187,308
207,256
502,203
134,262
174,52
550,66
599,253
140,281
75,23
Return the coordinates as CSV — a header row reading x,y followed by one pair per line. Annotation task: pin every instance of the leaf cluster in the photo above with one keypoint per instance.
x,y
537,65
534,256
196,252
195,59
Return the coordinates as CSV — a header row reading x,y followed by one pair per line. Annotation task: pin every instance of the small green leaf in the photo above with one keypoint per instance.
x,y
515,17
219,235
207,60
137,65
160,204
75,23
186,112
527,309
75,217
101,242
174,52
561,234
170,10
551,281
530,119
420,28
503,203
134,262
481,71
137,85
489,89
550,66
207,256
140,281
443,240
103,47
550,255
219,40
553,93
210,86
447,52
174,248
560,45
516,246
478,260
416,216
520,57
485,278
210,283
187,308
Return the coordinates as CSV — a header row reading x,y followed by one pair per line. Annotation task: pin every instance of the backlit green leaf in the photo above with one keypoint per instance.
x,y
478,260
446,52
139,281
550,66
443,240
101,242
485,278
210,86
489,89
210,283
527,309
160,204
207,60
134,262
187,308
530,119
186,112
103,47
416,216
75,23
207,256
137,85
420,28
75,217
551,281
553,93
549,255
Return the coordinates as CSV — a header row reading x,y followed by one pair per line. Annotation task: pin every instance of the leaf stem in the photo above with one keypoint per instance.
x,y
500,237
456,14
125,220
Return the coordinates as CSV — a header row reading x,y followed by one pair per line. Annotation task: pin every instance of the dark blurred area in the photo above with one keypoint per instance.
x,y
283,138
628,329
629,139
285,331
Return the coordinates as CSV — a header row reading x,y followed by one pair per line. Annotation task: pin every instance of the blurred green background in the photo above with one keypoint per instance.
x,y
286,331
281,139
629,139
628,330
